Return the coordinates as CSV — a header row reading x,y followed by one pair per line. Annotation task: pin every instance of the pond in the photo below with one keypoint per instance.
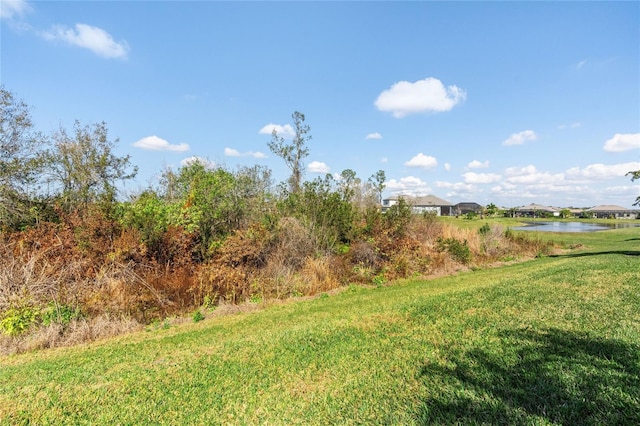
x,y
572,226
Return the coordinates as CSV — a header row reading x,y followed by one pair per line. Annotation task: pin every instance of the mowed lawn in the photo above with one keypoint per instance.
x,y
554,340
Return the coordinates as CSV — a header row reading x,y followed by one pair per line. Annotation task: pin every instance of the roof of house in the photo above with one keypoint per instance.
x,y
537,207
608,208
426,200
468,204
430,200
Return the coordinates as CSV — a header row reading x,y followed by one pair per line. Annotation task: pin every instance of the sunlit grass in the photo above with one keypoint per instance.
x,y
554,340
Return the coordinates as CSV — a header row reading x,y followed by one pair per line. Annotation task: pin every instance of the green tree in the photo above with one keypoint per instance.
x,y
348,184
491,209
149,214
295,152
20,161
377,182
213,202
84,166
635,175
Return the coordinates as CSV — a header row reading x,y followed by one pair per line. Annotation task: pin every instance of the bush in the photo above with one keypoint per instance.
x,y
484,230
458,250
398,217
197,316
16,321
59,314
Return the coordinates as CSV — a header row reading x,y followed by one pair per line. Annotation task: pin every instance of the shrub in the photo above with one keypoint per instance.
x,y
197,316
16,321
398,217
484,230
458,250
59,314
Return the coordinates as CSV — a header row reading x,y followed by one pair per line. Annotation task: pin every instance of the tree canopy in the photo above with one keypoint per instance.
x,y
295,152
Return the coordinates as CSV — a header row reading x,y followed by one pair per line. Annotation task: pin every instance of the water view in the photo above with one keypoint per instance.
x,y
572,226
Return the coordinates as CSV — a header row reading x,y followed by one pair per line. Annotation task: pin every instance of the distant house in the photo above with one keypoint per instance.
x,y
427,203
536,210
576,212
610,211
467,207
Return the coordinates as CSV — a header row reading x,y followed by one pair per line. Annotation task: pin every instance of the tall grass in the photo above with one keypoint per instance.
x,y
549,341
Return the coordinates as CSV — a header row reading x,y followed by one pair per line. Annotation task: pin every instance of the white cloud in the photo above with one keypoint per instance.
x,y
457,186
384,160
318,167
95,39
155,143
580,64
520,138
230,152
529,175
409,185
285,131
375,135
428,95
574,125
10,9
518,171
205,162
601,171
536,178
471,177
475,164
447,166
623,142
422,161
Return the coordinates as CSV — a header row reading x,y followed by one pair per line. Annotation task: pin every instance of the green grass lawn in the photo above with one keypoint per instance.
x,y
555,340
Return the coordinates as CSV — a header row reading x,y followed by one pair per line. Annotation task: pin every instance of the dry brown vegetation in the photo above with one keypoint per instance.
x,y
113,282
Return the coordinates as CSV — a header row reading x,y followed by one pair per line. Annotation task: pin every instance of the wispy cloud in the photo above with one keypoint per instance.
x,y
89,37
573,125
230,152
375,135
428,95
622,142
318,167
520,138
285,131
12,12
154,143
12,9
422,161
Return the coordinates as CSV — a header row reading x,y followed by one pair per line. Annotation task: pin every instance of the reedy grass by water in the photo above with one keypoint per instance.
x,y
555,340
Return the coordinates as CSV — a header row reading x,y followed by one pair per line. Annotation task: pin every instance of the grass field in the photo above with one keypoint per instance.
x,y
555,340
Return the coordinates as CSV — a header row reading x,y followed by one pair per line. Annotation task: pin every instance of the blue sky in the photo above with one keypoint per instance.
x,y
495,102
